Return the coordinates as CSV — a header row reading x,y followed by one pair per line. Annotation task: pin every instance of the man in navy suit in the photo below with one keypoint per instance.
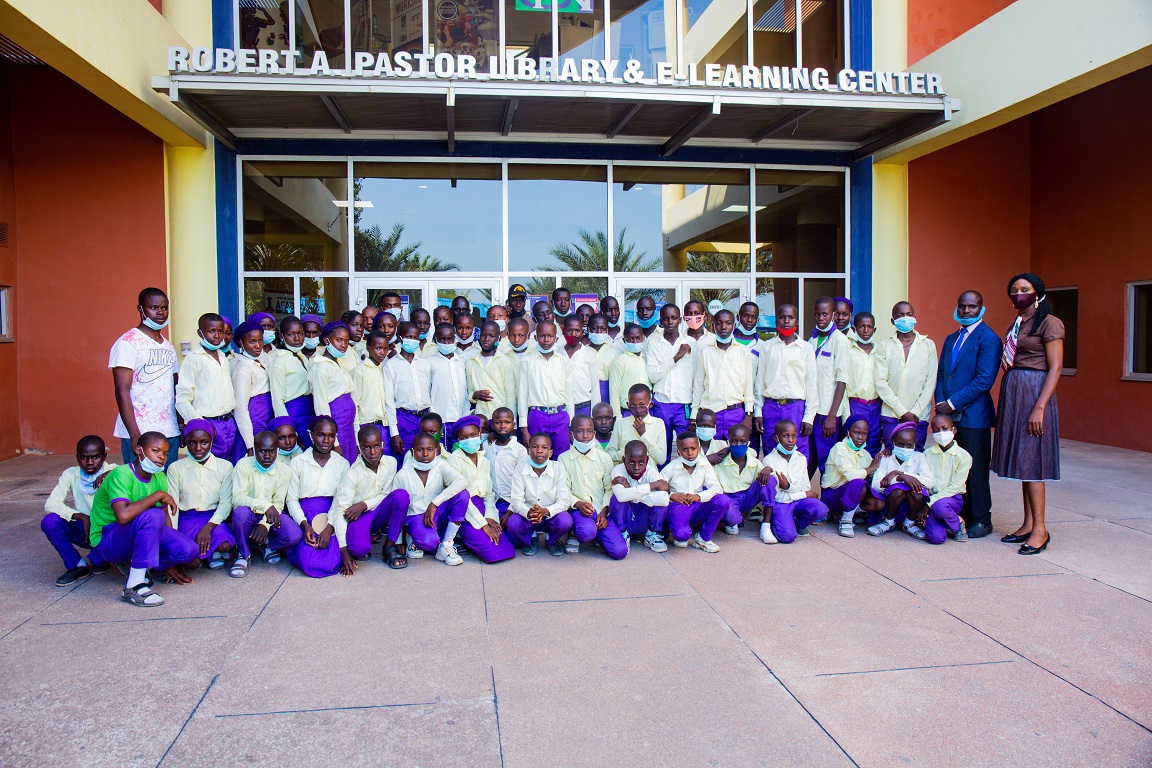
x,y
968,367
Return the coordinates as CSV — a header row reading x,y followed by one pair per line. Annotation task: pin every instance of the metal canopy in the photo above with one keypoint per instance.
x,y
238,107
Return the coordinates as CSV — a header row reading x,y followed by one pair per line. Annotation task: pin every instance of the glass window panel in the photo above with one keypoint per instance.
x,y
558,218
680,219
582,29
428,217
1141,329
644,31
528,30
372,25
406,26
466,28
823,34
268,294
799,221
771,292
538,286
774,33
292,222
729,297
583,288
320,27
264,24
1065,304
324,296
715,32
814,288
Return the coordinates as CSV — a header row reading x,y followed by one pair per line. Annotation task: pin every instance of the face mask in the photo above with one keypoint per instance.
x,y
707,434
784,451
633,348
541,465
694,321
943,438
738,451
311,342
541,348
903,454
825,329
422,465
249,355
283,452
724,339
261,468
212,347
291,348
269,337
646,324
1019,300
967,321
558,313
599,338
520,348
687,463
394,312
424,336
470,445
582,447
445,349
614,324
335,352
411,346
152,323
848,441
502,325
88,482
149,466
904,324
465,340
573,341
745,329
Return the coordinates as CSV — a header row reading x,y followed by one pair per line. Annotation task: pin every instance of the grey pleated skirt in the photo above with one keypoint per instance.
x,y
1016,454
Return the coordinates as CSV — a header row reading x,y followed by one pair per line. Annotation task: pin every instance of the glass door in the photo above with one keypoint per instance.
x,y
429,292
678,288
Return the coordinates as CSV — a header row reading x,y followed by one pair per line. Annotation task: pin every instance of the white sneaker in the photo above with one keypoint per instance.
x,y
653,541
679,544
732,530
708,546
847,530
881,527
571,547
766,534
446,553
914,530
414,552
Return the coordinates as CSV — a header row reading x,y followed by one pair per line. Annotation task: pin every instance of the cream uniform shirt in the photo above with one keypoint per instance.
x,y
627,370
287,378
949,470
672,382
478,480
639,490
701,481
795,468
201,487
309,479
844,465
257,489
444,482
543,383
406,385
205,386
329,381
655,438
249,379
906,385
831,367
860,369
724,377
589,475
549,489
368,394
498,374
360,484
787,371
504,460
72,481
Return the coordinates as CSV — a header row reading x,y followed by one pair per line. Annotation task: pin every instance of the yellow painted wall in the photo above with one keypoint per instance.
x,y
889,240
191,238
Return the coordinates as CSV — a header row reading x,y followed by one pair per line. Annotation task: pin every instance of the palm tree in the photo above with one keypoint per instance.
x,y
590,254
727,263
376,252
280,257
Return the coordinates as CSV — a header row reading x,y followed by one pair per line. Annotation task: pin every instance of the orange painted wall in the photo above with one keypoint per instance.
x,y
90,215
10,411
933,23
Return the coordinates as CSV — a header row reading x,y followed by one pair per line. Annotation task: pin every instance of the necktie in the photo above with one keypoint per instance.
x,y
956,346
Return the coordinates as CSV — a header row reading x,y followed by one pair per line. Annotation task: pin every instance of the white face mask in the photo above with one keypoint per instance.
x,y
944,438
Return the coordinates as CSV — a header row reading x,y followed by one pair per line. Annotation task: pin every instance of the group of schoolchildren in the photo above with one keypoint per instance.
x,y
312,441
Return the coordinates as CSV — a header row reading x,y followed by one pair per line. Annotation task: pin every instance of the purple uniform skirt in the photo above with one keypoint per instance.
x,y
344,412
316,563
260,413
301,412
192,520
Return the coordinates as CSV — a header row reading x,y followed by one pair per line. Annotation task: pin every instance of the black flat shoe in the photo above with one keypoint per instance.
x,y
1015,538
1027,550
979,530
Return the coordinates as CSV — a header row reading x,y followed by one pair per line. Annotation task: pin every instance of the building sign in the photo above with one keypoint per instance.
x,y
566,6
407,26
449,66
466,28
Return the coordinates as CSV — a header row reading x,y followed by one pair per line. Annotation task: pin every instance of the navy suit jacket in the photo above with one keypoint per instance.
x,y
968,383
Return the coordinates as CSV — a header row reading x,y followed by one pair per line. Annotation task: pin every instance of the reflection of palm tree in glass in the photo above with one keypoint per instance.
x,y
725,263
590,254
376,252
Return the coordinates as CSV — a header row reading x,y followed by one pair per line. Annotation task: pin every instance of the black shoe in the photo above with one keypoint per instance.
x,y
71,577
100,569
1015,538
1027,550
556,550
979,530
461,547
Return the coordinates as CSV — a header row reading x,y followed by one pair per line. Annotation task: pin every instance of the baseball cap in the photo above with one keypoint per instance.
x,y
517,291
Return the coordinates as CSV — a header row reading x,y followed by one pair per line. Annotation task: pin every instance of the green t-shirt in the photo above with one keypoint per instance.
x,y
121,483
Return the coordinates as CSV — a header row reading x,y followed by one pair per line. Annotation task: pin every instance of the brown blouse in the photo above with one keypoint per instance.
x,y
1030,347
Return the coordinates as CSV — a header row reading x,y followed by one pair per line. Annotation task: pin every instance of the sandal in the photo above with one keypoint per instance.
x,y
239,568
395,558
377,538
271,556
141,596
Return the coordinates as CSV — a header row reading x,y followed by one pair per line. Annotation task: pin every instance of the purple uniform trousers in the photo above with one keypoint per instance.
x,y
728,417
450,511
819,444
702,515
145,542
224,443
316,563
301,412
675,418
636,519
555,425
888,426
610,538
883,493
790,516
774,412
844,498
521,531
480,545
260,412
192,520
742,502
408,426
943,516
65,536
285,535
869,411
344,412
603,392
389,513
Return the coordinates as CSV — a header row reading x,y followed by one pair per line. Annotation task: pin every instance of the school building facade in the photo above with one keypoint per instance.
x,y
305,155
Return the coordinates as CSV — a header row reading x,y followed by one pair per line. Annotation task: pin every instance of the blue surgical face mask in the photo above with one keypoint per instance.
x,y
541,465
614,324
88,482
967,321
904,324
724,339
745,329
738,451
261,468
848,441
784,451
445,349
558,313
411,346
903,454
469,445
283,452
707,434
152,323
502,325
687,463
394,311
424,336
291,348
212,347
248,355
335,352
583,447
421,465
540,348
520,348
311,342
599,338
150,466
646,324
269,337
633,348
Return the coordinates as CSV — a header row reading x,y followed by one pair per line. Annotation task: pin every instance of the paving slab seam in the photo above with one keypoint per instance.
x,y
763,663
600,599
1120,520
131,621
344,709
916,669
491,664
1006,576
67,592
187,720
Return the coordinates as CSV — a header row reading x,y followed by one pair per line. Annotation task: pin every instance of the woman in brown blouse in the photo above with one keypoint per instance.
x,y
1027,443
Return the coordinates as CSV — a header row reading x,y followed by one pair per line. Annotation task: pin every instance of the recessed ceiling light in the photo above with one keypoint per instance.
x,y
423,186
739,208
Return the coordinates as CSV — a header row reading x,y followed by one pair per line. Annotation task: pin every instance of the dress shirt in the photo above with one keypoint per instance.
x,y
504,460
626,370
724,377
949,470
831,367
249,379
549,489
406,385
787,371
468,352
701,481
639,490
860,370
584,381
671,381
544,383
499,375
449,390
360,484
444,482
72,481
309,480
368,394
732,478
201,487
287,378
906,385
205,386
604,357
329,381
296,451
478,480
844,464
917,466
795,468
259,490
589,475
655,438
351,359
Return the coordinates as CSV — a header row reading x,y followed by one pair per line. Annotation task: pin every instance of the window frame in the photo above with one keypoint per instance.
x,y
6,335
1070,370
1130,332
